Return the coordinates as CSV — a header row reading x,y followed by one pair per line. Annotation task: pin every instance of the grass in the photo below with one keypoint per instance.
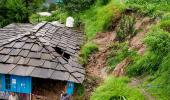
x,y
159,82
86,50
113,88
119,51
152,8
155,62
158,44
99,17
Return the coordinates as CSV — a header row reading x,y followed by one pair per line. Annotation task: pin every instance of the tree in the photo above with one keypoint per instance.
x,y
17,10
74,6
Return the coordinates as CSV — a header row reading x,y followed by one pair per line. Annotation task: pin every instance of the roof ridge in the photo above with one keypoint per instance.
x,y
38,26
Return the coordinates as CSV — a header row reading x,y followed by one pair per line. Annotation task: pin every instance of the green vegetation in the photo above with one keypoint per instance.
x,y
127,28
154,63
17,10
56,16
99,17
165,25
76,6
158,43
151,8
119,51
159,83
86,50
114,88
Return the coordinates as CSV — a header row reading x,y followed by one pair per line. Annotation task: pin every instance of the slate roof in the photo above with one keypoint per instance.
x,y
33,53
12,30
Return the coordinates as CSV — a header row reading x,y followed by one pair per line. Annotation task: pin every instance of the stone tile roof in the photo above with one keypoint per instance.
x,y
67,39
12,30
34,54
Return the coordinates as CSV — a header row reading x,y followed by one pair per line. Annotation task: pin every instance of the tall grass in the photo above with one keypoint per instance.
x,y
159,82
119,51
114,88
152,8
158,43
86,50
155,63
99,17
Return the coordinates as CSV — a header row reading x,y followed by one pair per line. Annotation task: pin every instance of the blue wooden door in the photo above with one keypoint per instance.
x,y
1,82
70,88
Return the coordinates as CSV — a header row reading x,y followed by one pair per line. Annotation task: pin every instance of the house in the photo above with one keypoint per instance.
x,y
43,51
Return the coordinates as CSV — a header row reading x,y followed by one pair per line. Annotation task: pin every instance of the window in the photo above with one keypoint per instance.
x,y
0,81
7,82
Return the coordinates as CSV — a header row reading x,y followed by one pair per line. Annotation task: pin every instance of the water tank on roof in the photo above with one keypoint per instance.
x,y
70,22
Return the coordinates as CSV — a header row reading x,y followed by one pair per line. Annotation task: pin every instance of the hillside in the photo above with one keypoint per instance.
x,y
141,58
126,53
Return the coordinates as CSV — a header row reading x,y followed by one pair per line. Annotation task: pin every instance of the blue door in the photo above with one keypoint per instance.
x,y
1,84
70,88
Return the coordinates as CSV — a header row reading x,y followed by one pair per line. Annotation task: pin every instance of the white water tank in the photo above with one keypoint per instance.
x,y
70,22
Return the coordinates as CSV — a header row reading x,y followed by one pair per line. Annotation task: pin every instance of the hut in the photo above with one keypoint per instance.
x,y
30,53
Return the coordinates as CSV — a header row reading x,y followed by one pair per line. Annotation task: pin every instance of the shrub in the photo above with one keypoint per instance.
x,y
86,50
159,84
114,88
119,52
158,41
75,6
126,28
17,10
98,18
52,7
165,25
104,2
153,8
148,64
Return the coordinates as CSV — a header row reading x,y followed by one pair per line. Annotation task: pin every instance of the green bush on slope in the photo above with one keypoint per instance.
x,y
159,86
119,51
99,17
158,43
86,50
152,8
165,25
114,88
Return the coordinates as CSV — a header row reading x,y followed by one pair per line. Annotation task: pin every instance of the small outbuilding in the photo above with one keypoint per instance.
x,y
33,53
